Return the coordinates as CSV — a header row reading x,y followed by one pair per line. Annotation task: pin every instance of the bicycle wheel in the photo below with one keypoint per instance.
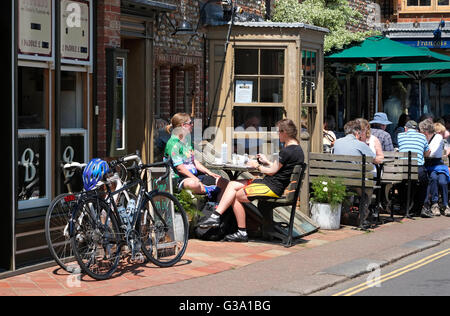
x,y
57,235
164,230
96,238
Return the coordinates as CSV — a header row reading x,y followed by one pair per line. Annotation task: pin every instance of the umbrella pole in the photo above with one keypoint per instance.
x,y
420,98
376,86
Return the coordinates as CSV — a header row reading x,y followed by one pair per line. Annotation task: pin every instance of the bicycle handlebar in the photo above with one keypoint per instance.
x,y
165,164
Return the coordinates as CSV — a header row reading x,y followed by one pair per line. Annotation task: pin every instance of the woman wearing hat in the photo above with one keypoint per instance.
x,y
378,124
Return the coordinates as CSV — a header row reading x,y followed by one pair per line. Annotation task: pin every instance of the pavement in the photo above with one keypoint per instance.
x,y
255,268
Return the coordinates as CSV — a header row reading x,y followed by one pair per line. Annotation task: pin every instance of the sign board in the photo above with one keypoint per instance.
x,y
72,146
167,246
35,27
31,168
429,43
244,91
75,29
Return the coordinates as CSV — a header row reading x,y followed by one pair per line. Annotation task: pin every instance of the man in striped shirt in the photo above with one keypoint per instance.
x,y
412,140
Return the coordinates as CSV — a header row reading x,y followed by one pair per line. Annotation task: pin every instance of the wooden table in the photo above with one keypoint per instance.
x,y
233,171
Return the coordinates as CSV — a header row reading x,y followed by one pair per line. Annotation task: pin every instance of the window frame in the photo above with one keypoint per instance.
x,y
433,8
268,135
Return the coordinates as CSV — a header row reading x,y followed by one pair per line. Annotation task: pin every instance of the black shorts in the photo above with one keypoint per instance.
x,y
205,179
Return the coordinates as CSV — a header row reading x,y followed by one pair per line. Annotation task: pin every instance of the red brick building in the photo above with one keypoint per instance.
x,y
174,67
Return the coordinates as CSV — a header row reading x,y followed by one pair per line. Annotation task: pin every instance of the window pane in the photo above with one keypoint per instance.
x,y
246,90
32,107
246,61
72,97
413,2
272,62
119,109
425,2
443,2
256,117
272,90
72,146
31,167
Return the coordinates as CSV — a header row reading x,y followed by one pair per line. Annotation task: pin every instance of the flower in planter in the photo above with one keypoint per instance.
x,y
328,191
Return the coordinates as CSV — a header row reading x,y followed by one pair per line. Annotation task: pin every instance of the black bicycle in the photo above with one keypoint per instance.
x,y
61,208
155,223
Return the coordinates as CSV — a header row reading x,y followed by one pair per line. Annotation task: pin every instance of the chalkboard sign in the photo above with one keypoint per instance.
x,y
169,246
164,185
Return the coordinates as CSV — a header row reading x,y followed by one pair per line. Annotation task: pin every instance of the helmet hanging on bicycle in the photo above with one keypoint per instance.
x,y
94,172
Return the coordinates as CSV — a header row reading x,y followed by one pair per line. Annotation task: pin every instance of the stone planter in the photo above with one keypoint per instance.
x,y
325,216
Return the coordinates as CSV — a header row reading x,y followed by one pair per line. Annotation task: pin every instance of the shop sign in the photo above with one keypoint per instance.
x,y
72,151
32,158
35,27
428,43
75,29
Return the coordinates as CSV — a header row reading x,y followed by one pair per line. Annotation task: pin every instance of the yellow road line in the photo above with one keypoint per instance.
x,y
393,274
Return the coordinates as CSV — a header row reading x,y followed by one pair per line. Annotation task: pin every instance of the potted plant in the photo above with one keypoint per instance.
x,y
191,204
326,201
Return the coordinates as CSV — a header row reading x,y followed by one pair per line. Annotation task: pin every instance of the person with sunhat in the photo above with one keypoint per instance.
x,y
379,123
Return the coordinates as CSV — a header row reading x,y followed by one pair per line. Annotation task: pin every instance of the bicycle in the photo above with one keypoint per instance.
x,y
60,212
156,224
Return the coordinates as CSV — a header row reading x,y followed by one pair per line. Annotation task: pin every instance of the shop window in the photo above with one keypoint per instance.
x,y
309,77
259,76
257,117
72,99
421,3
254,127
117,73
33,186
32,98
426,6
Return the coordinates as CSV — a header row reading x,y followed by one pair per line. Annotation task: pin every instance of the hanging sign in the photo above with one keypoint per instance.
x,y
35,27
75,21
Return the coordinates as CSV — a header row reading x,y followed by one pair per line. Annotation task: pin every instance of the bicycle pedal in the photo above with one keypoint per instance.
x,y
138,258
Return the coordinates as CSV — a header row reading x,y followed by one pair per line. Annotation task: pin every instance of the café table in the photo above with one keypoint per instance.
x,y
232,170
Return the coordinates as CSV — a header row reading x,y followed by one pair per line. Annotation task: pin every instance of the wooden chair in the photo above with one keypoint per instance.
x,y
264,210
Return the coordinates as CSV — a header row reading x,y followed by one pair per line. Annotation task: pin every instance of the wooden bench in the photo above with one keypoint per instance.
x,y
264,212
354,172
398,168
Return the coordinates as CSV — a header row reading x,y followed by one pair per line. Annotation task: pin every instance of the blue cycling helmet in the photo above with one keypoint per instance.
x,y
94,172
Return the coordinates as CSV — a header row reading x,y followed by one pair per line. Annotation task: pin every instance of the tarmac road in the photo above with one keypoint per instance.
x,y
312,270
423,274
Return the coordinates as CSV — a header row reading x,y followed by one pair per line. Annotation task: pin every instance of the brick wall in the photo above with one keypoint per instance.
x,y
108,35
173,57
364,7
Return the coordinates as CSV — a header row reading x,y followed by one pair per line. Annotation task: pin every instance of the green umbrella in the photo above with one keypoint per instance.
x,y
380,49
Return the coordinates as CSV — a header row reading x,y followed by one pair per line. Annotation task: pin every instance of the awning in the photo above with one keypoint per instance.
x,y
413,68
382,49
145,7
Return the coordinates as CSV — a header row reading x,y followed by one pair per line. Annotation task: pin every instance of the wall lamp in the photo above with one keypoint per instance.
x,y
185,28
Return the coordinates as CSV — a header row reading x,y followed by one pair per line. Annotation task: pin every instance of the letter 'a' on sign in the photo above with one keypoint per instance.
x,y
75,23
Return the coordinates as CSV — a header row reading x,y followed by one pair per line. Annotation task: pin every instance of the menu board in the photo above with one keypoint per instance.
x,y
35,27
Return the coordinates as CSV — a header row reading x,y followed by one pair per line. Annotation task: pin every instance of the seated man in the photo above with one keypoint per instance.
x,y
412,140
351,145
